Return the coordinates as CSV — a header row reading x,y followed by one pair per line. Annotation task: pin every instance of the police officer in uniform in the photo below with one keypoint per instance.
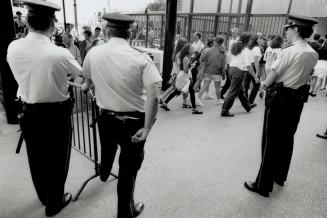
x,y
40,69
126,85
287,90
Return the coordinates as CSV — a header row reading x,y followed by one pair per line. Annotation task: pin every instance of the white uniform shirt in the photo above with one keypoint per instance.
x,y
295,64
242,60
120,74
41,68
197,46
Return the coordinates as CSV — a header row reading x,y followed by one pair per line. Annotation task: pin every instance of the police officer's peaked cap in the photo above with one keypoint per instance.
x,y
42,7
117,20
295,20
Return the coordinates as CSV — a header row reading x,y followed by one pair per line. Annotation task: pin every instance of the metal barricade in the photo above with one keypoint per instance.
x,y
85,136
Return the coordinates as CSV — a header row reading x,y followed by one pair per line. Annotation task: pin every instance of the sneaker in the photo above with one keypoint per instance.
x,y
195,111
208,97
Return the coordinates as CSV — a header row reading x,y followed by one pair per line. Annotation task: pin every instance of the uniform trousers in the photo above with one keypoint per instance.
x,y
46,128
227,83
118,130
280,124
236,90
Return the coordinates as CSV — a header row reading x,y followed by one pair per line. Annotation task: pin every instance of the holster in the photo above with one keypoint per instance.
x,y
271,93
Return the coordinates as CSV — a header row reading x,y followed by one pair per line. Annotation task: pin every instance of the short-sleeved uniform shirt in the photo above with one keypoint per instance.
x,y
120,74
214,59
295,64
242,60
41,68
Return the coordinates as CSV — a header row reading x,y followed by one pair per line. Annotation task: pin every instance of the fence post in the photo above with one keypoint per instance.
x,y
147,30
248,15
9,84
189,30
161,30
170,30
215,28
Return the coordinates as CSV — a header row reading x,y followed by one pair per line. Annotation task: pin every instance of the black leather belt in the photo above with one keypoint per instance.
x,y
132,114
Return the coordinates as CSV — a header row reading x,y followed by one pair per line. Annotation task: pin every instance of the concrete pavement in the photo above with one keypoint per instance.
x,y
194,166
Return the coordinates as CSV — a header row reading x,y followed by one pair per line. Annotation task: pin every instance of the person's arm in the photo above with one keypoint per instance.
x,y
251,71
272,76
246,55
73,66
151,80
151,109
78,56
186,64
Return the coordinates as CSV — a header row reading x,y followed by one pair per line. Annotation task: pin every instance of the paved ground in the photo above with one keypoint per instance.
x,y
194,166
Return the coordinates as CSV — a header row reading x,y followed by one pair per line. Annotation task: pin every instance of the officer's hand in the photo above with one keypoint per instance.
x,y
140,136
85,87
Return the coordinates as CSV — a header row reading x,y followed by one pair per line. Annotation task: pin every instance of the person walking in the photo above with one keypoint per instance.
x,y
126,85
255,56
239,65
234,38
214,61
185,67
40,69
175,70
287,91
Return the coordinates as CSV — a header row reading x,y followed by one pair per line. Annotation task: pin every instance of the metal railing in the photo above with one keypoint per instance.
x,y
85,136
150,28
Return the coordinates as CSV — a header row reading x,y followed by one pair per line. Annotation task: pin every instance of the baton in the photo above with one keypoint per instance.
x,y
20,143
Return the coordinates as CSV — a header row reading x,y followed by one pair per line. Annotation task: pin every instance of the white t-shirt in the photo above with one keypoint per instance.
x,y
120,74
271,55
320,69
255,52
242,60
197,46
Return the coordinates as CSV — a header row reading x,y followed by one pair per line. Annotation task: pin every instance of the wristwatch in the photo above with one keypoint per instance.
x,y
263,87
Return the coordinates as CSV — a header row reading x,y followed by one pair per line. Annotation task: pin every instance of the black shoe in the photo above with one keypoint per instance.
x,y
226,114
312,94
280,183
139,207
196,112
253,187
253,105
67,199
323,135
164,106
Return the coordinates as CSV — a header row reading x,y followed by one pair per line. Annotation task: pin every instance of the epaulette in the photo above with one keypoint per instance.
x,y
137,49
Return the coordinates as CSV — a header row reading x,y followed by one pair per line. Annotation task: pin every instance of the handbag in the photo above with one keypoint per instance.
x,y
182,81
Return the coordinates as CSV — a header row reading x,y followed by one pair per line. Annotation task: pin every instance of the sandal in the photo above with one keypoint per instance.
x,y
186,106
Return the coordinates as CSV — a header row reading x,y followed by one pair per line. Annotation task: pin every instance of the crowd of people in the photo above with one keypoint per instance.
x,y
126,83
216,61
